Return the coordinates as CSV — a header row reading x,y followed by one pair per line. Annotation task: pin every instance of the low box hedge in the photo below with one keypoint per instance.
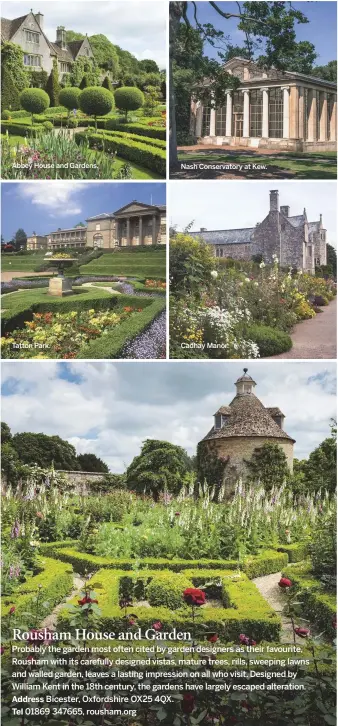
x,y
296,552
317,605
53,583
265,563
155,132
111,344
140,153
134,137
249,612
19,129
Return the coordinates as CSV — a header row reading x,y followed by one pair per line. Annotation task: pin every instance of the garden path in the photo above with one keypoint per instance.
x,y
268,587
108,289
51,620
315,338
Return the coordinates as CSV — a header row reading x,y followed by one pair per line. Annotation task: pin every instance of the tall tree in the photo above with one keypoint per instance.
x,y
332,259
44,450
53,85
148,66
328,72
160,466
268,465
20,238
91,462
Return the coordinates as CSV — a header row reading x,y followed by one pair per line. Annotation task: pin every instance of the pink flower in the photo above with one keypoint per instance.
x,y
157,625
12,610
302,632
285,582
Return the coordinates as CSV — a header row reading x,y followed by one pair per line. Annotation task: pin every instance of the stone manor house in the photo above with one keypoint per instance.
x,y
243,426
270,109
132,225
39,52
297,242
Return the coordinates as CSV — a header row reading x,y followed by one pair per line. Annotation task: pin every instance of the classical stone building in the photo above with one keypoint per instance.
x,y
296,241
36,242
72,237
134,224
270,109
39,52
243,426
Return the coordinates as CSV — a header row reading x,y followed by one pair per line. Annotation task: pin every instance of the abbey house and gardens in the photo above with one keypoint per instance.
x,y
83,95
247,106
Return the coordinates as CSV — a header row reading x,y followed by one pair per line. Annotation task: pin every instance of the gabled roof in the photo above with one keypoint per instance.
x,y
296,221
314,226
275,411
9,27
225,410
226,236
248,418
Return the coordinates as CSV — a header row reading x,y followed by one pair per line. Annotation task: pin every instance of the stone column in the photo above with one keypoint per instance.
x,y
286,112
246,114
154,240
212,122
228,125
301,111
323,116
199,118
312,103
128,231
294,113
140,233
333,120
265,113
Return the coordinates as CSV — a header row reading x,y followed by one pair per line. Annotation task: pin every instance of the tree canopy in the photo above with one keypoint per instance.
x,y
91,462
268,465
159,467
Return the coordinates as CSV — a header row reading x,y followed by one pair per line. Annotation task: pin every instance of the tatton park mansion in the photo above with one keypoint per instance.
x,y
294,240
39,52
132,225
270,109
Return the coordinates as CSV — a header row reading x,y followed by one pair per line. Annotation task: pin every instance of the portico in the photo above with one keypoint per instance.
x,y
270,109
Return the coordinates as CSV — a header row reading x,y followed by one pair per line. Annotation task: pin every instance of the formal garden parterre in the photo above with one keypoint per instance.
x,y
120,562
116,309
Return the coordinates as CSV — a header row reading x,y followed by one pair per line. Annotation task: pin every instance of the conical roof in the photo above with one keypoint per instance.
x,y
248,418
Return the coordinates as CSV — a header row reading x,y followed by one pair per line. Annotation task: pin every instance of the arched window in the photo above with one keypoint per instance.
x,y
98,240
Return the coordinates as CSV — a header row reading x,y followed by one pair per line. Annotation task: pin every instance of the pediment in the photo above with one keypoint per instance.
x,y
134,207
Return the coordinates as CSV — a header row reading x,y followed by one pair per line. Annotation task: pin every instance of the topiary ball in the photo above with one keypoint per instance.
x,y
96,101
129,98
70,97
47,125
34,100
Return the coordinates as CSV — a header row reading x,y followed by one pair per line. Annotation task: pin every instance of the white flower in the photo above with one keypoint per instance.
x,y
247,279
214,274
262,265
256,284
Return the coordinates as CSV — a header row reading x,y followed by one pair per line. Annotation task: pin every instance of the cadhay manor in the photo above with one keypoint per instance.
x,y
270,109
294,240
134,224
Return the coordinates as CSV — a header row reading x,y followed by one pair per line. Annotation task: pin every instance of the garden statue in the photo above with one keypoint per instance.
x,y
60,286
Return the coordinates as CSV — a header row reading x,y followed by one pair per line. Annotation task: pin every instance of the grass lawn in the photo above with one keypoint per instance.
x,y
282,165
16,302
128,264
21,263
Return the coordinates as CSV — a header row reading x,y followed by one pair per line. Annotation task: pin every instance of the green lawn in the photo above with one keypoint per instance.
x,y
282,165
21,263
17,302
128,264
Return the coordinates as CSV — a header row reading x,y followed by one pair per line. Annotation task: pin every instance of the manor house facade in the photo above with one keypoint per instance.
x,y
39,52
270,109
132,225
294,240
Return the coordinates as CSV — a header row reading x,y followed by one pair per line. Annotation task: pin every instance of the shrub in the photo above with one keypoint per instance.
x,y
147,156
133,137
6,115
34,100
47,125
18,129
134,128
316,605
10,97
70,98
53,86
107,84
191,262
296,552
270,341
96,101
72,122
84,83
166,588
128,98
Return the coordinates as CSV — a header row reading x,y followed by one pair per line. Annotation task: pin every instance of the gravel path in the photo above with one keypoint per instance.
x,y
51,620
315,338
268,587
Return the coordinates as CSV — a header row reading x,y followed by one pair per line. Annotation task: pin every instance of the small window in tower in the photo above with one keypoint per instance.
x,y
218,421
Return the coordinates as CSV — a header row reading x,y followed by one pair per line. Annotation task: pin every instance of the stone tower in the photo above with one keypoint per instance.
x,y
240,428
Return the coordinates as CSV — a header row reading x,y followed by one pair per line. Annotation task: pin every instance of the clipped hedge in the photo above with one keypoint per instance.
x,y
19,129
139,153
249,612
270,341
165,589
155,132
296,552
111,345
134,137
318,606
265,563
53,583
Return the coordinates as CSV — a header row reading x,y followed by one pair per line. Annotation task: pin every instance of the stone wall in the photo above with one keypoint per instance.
x,y
80,481
236,251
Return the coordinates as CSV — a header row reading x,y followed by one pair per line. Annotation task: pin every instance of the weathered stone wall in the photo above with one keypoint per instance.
x,y
236,251
276,236
80,481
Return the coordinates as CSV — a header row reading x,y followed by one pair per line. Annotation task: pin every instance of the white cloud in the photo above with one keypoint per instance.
x,y
58,198
116,406
134,25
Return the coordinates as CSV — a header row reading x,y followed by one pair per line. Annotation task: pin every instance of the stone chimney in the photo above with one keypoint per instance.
x,y
61,37
320,220
285,210
274,200
39,17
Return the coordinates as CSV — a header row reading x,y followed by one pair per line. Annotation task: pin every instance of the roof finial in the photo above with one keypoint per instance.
x,y
245,370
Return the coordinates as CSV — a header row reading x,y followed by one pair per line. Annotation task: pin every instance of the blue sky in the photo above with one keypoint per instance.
x,y
110,408
43,207
321,30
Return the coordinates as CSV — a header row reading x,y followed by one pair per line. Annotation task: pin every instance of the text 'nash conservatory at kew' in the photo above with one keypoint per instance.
x,y
271,109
